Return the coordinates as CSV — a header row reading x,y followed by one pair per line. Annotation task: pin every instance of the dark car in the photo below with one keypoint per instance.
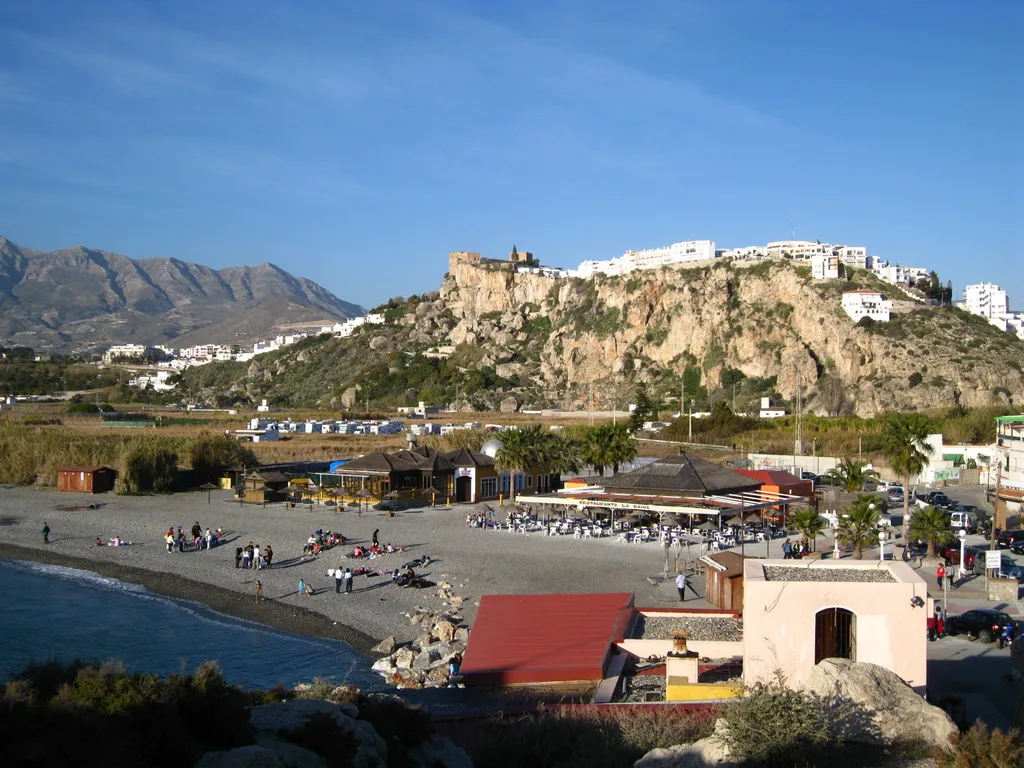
x,y
1017,547
1007,538
982,623
805,475
937,499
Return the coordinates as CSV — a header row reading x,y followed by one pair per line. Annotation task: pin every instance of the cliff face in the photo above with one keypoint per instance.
x,y
572,341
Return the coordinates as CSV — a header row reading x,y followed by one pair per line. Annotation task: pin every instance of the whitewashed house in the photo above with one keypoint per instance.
x,y
866,303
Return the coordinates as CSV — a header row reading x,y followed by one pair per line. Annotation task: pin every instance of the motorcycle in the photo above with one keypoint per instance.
x,y
1006,636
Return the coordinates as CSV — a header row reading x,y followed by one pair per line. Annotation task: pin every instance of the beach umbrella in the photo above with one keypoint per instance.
x,y
208,487
734,520
707,525
752,517
362,494
391,495
434,493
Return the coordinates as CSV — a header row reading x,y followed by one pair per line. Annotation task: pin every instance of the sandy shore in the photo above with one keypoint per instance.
x,y
475,562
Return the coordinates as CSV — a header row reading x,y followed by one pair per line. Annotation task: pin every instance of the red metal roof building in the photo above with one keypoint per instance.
x,y
778,481
523,639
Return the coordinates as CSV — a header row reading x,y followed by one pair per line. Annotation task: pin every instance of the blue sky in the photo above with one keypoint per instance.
x,y
357,143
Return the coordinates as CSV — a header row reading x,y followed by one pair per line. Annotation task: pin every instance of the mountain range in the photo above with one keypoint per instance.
x,y
80,298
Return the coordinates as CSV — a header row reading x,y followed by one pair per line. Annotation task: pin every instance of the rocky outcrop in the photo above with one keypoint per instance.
x,y
281,729
897,714
423,663
575,339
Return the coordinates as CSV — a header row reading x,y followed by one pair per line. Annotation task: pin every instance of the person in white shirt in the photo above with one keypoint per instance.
x,y
682,583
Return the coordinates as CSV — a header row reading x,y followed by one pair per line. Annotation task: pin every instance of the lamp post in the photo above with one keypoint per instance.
x,y
835,535
881,545
689,434
963,552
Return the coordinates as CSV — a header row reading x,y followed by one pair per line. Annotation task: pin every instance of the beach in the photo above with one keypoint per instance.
x,y
473,561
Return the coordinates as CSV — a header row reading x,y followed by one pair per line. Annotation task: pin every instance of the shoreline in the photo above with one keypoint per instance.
x,y
271,613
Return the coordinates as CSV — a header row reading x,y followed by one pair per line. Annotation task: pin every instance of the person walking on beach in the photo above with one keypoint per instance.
x,y
375,540
46,533
338,576
348,580
268,555
682,583
259,591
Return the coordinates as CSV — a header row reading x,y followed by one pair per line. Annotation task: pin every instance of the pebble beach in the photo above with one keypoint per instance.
x,y
472,561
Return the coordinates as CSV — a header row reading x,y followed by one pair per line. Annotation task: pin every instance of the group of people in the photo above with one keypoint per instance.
x,y
793,552
252,556
321,540
117,541
480,520
177,542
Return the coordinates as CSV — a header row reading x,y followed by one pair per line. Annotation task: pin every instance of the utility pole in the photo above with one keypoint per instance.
x,y
798,447
590,403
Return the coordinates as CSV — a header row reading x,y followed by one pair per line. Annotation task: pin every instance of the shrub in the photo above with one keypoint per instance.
x,y
978,747
149,467
774,725
914,379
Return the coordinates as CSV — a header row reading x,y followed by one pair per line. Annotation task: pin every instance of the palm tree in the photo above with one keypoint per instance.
x,y
609,445
851,475
931,525
520,450
903,443
808,523
562,453
858,527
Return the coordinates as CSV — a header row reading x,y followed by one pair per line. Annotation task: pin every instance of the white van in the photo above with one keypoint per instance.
x,y
965,520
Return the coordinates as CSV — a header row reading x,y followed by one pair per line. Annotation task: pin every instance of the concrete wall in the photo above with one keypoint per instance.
x,y
779,620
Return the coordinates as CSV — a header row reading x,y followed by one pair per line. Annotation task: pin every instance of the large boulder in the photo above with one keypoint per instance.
x,y
700,754
272,721
876,706
438,751
271,754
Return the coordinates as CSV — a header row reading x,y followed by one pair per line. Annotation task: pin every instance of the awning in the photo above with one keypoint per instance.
x,y
748,501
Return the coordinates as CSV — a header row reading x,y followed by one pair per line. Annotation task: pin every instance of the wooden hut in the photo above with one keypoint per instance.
x,y
86,479
263,487
723,575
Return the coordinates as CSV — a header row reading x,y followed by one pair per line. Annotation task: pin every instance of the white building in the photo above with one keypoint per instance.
x,y
825,266
124,350
157,381
770,412
1010,440
747,253
864,303
651,258
991,302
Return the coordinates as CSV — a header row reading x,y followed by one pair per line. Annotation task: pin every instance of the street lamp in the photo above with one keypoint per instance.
x,y
963,552
689,436
881,545
835,535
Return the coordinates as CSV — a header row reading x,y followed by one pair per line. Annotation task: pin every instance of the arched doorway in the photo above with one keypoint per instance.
x,y
463,489
835,634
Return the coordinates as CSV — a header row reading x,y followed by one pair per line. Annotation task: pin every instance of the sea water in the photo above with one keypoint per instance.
x,y
54,613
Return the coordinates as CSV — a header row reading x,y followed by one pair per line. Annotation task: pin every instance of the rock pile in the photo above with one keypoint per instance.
x,y
423,663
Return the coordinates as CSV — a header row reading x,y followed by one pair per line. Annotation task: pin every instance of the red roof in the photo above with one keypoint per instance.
x,y
544,638
774,477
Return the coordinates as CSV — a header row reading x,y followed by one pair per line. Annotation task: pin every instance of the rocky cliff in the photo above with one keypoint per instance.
x,y
571,338
514,337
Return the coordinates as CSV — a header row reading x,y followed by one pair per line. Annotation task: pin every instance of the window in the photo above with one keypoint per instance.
x,y
529,481
489,487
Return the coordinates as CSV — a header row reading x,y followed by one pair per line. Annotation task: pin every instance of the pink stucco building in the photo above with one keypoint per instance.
x,y
797,612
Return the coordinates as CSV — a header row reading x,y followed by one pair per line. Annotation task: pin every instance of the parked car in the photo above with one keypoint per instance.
x,y
805,475
933,499
1006,538
958,520
894,496
951,553
1017,547
983,623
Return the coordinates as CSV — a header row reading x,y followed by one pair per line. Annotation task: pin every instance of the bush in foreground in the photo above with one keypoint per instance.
x,y
576,736
978,747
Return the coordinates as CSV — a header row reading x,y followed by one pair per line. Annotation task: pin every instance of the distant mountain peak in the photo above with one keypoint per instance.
x,y
96,298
